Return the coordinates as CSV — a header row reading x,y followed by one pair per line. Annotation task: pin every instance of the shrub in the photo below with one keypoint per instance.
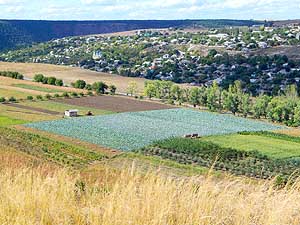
x,y
99,87
81,94
65,95
51,80
90,93
2,99
39,97
45,80
12,99
48,96
29,98
56,95
59,82
38,78
74,94
89,87
81,84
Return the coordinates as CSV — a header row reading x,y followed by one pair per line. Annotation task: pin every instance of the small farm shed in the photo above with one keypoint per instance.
x,y
71,113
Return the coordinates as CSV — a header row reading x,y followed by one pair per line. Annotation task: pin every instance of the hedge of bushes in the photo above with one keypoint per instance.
x,y
248,163
14,75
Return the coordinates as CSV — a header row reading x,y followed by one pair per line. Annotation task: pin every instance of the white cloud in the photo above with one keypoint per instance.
x,y
10,2
152,9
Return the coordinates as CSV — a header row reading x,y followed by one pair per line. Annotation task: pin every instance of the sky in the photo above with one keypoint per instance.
x,y
149,9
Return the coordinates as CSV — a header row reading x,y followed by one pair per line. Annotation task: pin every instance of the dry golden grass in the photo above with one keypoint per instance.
x,y
38,195
71,74
293,132
8,88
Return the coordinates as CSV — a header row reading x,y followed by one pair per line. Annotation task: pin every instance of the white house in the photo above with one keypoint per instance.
x,y
262,44
71,113
97,55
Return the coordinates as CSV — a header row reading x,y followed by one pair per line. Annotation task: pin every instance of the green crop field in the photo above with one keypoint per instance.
x,y
37,88
6,121
43,147
128,131
271,146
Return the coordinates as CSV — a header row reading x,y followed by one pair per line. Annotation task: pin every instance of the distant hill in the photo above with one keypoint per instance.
x,y
17,33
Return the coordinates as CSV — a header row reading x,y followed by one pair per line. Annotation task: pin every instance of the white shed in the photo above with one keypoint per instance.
x,y
71,113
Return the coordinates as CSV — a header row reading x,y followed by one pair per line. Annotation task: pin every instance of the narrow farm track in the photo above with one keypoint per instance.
x,y
50,112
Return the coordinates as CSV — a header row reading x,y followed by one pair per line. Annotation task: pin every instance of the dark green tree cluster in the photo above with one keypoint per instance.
x,y
14,75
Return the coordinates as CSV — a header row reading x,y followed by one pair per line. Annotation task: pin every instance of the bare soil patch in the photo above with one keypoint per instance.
x,y
54,113
115,103
293,52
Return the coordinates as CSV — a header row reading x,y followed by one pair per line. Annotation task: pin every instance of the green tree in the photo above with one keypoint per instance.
x,y
150,89
59,82
194,96
99,87
80,84
38,78
132,88
213,97
260,106
296,117
51,80
245,105
231,100
176,92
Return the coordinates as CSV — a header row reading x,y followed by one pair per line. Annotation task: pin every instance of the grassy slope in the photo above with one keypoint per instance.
x,y
37,88
24,114
13,93
61,107
42,147
270,146
6,121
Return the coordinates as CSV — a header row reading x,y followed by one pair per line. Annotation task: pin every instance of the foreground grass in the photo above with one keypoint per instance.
x,y
271,146
46,195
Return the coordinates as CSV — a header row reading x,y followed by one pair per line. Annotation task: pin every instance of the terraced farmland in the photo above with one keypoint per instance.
x,y
128,131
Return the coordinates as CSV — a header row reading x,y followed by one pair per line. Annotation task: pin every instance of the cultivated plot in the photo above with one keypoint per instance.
x,y
128,131
115,103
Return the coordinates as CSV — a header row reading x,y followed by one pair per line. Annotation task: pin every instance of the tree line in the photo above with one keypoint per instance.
x,y
13,75
284,108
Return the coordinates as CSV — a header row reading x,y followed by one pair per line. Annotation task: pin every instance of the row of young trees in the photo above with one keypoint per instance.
x,y
40,78
284,108
99,87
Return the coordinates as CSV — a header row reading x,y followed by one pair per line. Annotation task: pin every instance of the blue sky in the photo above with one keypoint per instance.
x,y
149,9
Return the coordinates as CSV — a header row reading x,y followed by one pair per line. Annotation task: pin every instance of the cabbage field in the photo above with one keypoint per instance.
x,y
129,131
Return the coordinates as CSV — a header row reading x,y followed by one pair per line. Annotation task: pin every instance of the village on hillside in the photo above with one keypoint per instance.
x,y
195,57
